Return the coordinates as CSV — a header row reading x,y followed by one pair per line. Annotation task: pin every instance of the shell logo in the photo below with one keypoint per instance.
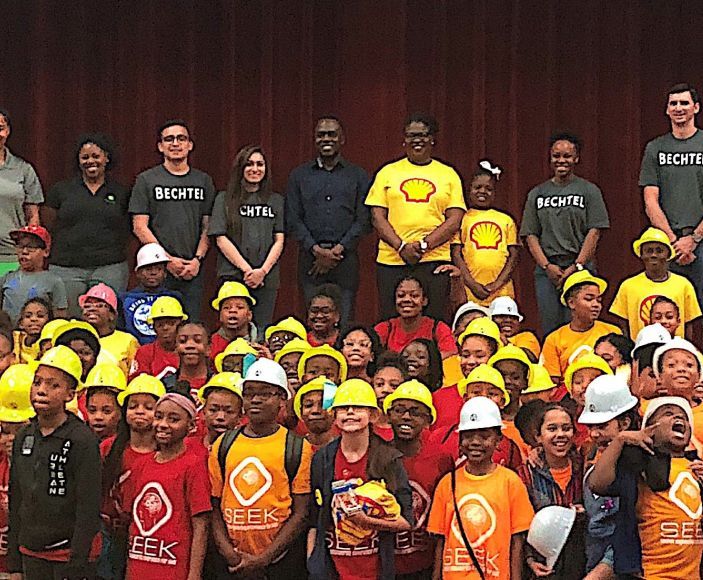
x,y
485,235
646,308
478,517
418,190
686,494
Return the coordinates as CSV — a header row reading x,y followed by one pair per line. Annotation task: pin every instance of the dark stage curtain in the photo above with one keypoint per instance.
x,y
499,75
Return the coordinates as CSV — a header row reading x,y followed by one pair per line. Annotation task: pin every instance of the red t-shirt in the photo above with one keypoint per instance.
x,y
4,508
164,499
414,550
448,403
217,345
384,432
312,341
152,359
360,562
113,503
395,339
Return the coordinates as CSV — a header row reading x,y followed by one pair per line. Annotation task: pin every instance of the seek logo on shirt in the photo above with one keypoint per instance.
x,y
151,511
249,482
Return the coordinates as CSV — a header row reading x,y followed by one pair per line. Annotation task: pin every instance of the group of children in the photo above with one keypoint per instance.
x,y
412,450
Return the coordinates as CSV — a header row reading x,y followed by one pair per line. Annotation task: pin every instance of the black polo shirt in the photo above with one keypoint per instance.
x,y
90,230
327,206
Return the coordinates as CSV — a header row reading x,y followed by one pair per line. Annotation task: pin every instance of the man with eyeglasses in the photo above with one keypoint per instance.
x,y
672,181
171,205
325,212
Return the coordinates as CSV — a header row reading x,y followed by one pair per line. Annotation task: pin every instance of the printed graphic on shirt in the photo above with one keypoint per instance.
x,y
57,466
163,193
140,310
680,158
557,201
151,511
249,481
646,308
256,210
417,538
418,190
4,509
474,509
485,235
685,494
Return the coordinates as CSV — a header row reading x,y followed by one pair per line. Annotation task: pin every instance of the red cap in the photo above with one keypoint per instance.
x,y
39,231
100,292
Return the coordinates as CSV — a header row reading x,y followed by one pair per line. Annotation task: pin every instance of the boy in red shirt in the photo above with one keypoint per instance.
x,y
411,412
170,499
193,348
234,303
159,358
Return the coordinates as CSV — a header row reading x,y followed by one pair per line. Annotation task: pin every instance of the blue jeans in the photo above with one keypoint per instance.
x,y
78,280
694,272
192,292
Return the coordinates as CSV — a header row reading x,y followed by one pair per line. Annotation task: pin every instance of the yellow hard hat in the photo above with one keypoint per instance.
x,y
142,385
540,380
324,350
412,390
228,381
238,346
107,375
483,326
75,325
653,235
586,361
166,307
290,324
15,386
50,328
355,393
63,358
296,345
582,277
511,352
483,374
316,384
232,290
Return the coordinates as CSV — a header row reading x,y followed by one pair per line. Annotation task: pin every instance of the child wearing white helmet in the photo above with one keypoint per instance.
x,y
643,381
480,509
505,313
660,499
610,408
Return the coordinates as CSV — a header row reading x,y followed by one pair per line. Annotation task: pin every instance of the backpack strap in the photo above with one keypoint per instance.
x,y
293,456
464,537
225,445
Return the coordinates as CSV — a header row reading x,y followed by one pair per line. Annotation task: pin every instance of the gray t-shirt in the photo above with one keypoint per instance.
x,y
675,166
259,221
18,287
175,205
19,185
561,215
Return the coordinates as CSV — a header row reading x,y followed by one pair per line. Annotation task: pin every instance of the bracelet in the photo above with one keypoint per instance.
x,y
200,258
402,245
546,266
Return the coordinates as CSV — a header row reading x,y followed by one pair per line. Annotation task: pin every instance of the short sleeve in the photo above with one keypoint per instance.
x,y
210,194
139,203
218,219
521,510
619,305
692,308
445,339
59,298
441,512
597,212
213,464
383,330
550,355
279,223
511,238
456,192
198,487
530,225
377,196
301,482
33,193
648,169
53,197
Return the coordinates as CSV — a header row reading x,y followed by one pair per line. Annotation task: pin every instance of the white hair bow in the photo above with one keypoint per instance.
x,y
495,171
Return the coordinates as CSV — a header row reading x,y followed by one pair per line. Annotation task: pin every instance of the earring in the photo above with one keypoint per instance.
x,y
432,142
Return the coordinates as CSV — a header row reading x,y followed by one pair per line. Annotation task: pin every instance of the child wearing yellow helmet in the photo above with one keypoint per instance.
x,y
221,397
288,357
101,387
308,407
322,361
234,304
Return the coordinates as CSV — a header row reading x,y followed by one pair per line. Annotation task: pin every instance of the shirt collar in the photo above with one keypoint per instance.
x,y
341,162
10,160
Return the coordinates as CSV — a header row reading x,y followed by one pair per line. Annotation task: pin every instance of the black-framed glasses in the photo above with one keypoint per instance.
x,y
414,412
172,138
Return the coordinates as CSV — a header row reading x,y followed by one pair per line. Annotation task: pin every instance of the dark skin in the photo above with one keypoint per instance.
x,y
410,300
165,329
515,376
585,304
409,419
329,138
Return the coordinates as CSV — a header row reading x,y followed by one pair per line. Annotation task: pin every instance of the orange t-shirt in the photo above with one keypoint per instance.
x,y
670,526
562,477
510,431
698,422
451,368
255,498
527,340
493,508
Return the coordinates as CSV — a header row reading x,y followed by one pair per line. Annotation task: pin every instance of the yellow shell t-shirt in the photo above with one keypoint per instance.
x,y
486,235
118,348
416,197
635,297
564,344
670,525
255,497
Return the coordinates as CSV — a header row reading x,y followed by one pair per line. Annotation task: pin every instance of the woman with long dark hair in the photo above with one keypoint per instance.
x,y
247,224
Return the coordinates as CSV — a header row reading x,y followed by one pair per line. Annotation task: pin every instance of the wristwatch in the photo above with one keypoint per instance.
x,y
424,246
200,258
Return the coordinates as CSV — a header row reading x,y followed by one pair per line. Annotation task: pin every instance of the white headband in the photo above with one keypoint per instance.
x,y
495,171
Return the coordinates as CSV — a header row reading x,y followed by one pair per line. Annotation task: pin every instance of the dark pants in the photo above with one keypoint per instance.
x,y
694,272
345,275
192,292
421,575
265,303
38,569
436,286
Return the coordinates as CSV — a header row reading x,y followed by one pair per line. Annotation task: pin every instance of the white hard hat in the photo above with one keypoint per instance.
x,y
465,309
505,306
607,396
150,254
651,334
657,403
479,413
265,370
549,530
676,343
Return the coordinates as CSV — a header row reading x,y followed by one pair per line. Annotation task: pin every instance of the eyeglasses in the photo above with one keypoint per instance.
x,y
414,412
267,394
324,310
29,246
281,337
172,138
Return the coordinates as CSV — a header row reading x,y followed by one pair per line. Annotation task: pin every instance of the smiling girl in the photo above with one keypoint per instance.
x,y
35,313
